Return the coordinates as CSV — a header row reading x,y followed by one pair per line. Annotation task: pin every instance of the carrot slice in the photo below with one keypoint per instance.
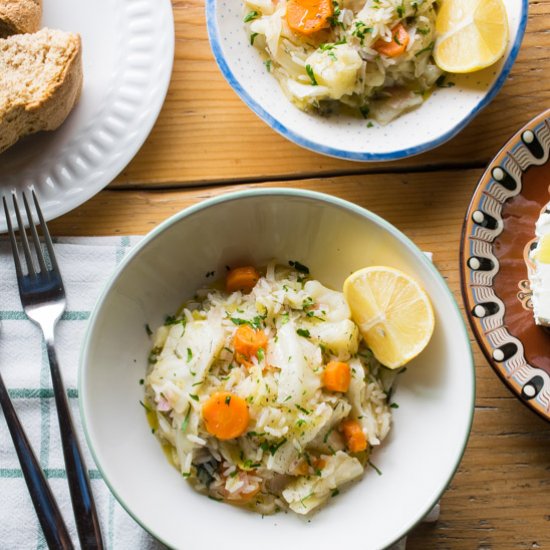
x,y
337,376
225,415
247,342
354,435
309,16
241,278
397,45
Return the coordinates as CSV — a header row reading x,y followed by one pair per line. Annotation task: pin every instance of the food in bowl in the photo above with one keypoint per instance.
x,y
264,393
539,270
375,57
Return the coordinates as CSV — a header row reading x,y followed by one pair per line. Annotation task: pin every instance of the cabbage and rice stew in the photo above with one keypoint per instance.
x,y
263,393
372,58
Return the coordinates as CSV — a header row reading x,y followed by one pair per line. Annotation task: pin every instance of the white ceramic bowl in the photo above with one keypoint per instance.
x,y
441,117
334,238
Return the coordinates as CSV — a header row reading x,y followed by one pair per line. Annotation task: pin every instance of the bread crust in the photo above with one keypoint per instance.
x,y
19,16
49,111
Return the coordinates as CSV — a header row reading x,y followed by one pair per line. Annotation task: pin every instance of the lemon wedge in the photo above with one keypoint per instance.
x,y
472,34
392,311
542,253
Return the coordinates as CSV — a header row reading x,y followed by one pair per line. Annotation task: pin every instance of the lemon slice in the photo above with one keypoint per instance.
x,y
472,34
393,313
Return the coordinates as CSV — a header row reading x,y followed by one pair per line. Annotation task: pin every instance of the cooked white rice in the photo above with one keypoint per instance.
x,y
292,454
339,66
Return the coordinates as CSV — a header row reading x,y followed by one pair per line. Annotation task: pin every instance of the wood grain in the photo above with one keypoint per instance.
x,y
206,134
500,497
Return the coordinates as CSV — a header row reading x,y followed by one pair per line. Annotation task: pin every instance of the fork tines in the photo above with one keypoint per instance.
x,y
39,253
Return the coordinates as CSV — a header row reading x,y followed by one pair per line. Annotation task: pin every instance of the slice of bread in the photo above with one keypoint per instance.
x,y
40,82
19,16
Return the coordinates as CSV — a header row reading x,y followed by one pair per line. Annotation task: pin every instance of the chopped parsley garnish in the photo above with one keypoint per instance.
x,y
300,408
305,498
172,320
254,434
327,435
394,406
428,48
360,31
370,124
251,15
253,37
189,354
141,381
300,422
377,470
260,354
335,493
185,420
227,399
267,64
210,274
298,266
145,406
309,72
154,354
254,323
287,398
364,110
423,31
400,10
333,19
148,330
275,447
194,396
303,332
250,465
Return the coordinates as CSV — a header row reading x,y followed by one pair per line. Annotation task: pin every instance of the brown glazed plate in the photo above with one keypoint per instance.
x,y
498,232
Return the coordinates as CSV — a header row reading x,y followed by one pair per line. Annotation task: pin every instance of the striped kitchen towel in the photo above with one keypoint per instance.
x,y
86,264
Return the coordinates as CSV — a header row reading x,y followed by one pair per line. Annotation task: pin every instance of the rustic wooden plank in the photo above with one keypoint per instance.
x,y
499,498
206,134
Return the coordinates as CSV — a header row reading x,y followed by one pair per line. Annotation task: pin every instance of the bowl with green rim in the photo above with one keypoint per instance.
x,y
333,238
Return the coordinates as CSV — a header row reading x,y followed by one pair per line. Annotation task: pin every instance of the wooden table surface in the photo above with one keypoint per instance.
x,y
207,142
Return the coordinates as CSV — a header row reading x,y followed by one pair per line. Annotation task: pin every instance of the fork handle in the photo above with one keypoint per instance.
x,y
49,516
87,522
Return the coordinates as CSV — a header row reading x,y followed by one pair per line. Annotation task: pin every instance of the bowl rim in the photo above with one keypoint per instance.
x,y
306,143
267,192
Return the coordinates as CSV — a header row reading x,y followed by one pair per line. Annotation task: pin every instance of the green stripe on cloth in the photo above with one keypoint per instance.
x,y
49,473
39,393
6,315
122,248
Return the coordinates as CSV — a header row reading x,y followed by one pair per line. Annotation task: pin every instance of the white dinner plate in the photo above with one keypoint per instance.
x,y
128,52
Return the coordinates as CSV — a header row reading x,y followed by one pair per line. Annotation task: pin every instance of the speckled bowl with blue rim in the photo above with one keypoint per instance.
x,y
447,111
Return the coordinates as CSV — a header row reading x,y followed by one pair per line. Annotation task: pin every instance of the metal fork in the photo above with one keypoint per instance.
x,y
43,298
